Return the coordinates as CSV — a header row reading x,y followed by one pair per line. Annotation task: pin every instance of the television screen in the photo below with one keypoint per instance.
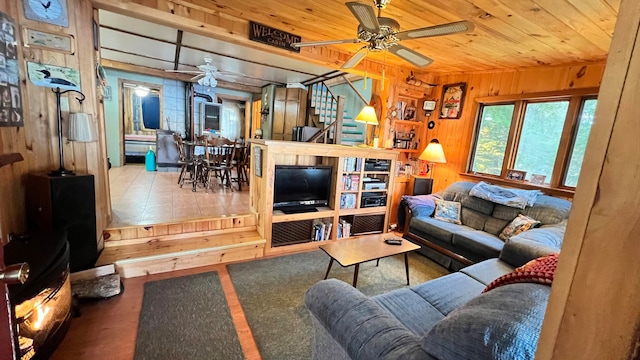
x,y
296,186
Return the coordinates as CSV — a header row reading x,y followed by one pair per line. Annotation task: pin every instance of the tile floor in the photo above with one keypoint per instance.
x,y
139,197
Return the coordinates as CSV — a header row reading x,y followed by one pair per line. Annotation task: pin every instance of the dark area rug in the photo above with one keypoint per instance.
x,y
271,293
186,318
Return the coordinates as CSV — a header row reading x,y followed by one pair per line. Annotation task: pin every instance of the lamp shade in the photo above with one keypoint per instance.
x,y
433,153
367,115
82,128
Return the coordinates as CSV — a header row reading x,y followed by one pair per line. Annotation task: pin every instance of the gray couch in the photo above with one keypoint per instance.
x,y
443,319
455,246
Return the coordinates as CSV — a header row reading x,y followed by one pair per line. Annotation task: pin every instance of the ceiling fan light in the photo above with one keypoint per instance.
x,y
142,91
213,82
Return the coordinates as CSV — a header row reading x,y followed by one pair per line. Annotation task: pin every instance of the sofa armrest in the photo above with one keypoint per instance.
x,y
533,244
359,325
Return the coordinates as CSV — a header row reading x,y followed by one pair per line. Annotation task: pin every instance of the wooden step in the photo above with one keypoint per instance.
x,y
163,254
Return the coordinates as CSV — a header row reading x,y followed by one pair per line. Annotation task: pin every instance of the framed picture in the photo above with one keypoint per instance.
x,y
537,179
516,175
49,41
53,76
452,100
107,93
258,161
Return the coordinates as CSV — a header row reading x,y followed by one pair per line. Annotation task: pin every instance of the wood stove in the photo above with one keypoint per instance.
x,y
43,302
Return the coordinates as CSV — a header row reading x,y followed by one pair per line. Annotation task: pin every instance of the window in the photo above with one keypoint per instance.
x,y
580,142
538,133
492,138
540,137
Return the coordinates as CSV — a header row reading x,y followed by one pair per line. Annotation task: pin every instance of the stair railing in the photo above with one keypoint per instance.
x,y
336,125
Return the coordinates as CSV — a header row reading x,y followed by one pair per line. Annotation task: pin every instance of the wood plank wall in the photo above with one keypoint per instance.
x,y
455,135
37,141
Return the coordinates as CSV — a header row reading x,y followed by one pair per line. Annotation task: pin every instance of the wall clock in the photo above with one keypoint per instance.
x,y
48,11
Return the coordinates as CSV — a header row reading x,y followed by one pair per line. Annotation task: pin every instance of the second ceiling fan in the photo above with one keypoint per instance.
x,y
383,33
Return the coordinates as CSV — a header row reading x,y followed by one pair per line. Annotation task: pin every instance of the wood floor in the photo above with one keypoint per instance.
x,y
107,329
139,197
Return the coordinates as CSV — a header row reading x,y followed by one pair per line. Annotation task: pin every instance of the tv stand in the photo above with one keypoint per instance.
x,y
299,209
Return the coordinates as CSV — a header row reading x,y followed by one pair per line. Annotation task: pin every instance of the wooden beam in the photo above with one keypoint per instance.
x,y
176,60
174,76
232,30
593,311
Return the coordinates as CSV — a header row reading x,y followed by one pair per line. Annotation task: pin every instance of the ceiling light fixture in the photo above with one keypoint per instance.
x,y
142,91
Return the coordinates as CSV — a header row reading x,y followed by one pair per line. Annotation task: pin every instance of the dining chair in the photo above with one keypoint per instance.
x,y
186,162
240,163
221,155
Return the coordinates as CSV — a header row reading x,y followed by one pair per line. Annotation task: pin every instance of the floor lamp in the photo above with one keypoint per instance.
x,y
368,116
432,154
61,170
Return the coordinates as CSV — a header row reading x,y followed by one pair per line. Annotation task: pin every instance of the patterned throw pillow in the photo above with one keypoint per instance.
x,y
540,271
448,211
520,224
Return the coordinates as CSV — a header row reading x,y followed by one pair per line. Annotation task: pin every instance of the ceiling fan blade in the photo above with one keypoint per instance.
x,y
185,71
355,59
411,56
196,77
328,42
437,30
366,16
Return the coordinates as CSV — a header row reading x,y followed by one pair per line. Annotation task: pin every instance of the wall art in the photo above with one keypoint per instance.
x,y
49,41
53,76
11,113
452,100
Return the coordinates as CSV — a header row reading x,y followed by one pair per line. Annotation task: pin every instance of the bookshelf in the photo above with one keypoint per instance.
x,y
359,202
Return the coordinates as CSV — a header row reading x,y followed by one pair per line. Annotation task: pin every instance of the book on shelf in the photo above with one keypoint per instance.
x,y
348,201
350,182
344,229
352,164
321,231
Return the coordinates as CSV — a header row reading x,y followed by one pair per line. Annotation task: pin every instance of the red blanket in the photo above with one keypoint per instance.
x,y
538,271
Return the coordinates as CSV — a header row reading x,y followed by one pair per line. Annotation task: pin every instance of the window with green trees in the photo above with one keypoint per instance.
x,y
536,133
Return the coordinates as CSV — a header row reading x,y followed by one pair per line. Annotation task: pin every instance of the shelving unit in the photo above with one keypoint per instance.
x,y
407,125
351,167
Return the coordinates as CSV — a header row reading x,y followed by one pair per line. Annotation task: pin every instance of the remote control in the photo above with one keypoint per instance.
x,y
393,241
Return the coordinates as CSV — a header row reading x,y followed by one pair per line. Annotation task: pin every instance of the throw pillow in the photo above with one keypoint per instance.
x,y
520,224
448,211
540,271
421,205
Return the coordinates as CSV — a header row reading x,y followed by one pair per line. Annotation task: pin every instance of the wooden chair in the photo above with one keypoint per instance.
x,y
186,162
241,164
220,158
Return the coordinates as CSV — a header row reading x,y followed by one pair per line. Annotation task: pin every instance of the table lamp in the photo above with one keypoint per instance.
x,y
368,116
432,154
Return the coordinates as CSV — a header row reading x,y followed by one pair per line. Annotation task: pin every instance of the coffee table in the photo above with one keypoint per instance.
x,y
349,252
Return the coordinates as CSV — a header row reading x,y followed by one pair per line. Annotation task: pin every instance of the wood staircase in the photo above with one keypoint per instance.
x,y
325,109
151,249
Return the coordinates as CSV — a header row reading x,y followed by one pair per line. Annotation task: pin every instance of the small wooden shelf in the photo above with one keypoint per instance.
x,y
351,173
376,172
375,190
410,151
349,191
279,216
407,122
367,210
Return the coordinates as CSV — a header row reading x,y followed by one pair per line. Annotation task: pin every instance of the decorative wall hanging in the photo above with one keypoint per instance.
x,y
49,41
452,100
10,93
50,11
53,76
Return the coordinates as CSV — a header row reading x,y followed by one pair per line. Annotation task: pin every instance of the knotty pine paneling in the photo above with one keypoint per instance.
x,y
455,135
37,141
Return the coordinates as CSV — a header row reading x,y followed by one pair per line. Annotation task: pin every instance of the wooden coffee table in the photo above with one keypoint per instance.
x,y
349,252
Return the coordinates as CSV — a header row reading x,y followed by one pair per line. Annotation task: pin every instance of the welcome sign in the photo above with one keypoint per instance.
x,y
274,37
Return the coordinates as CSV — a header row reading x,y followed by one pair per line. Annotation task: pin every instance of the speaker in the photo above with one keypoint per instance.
x,y
420,185
65,203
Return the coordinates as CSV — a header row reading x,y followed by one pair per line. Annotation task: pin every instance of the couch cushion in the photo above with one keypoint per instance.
x,y
494,225
440,230
478,242
532,244
404,304
473,218
457,191
488,270
492,326
549,210
505,212
449,292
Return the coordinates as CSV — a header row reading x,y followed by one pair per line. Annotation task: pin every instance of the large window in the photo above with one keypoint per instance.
x,y
540,134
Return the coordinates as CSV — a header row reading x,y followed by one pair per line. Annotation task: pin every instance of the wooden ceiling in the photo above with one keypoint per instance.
x,y
508,34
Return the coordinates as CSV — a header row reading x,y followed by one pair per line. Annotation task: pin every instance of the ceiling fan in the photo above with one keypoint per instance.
x,y
208,74
383,33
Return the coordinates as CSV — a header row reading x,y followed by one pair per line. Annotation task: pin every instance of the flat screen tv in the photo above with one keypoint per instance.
x,y
301,188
